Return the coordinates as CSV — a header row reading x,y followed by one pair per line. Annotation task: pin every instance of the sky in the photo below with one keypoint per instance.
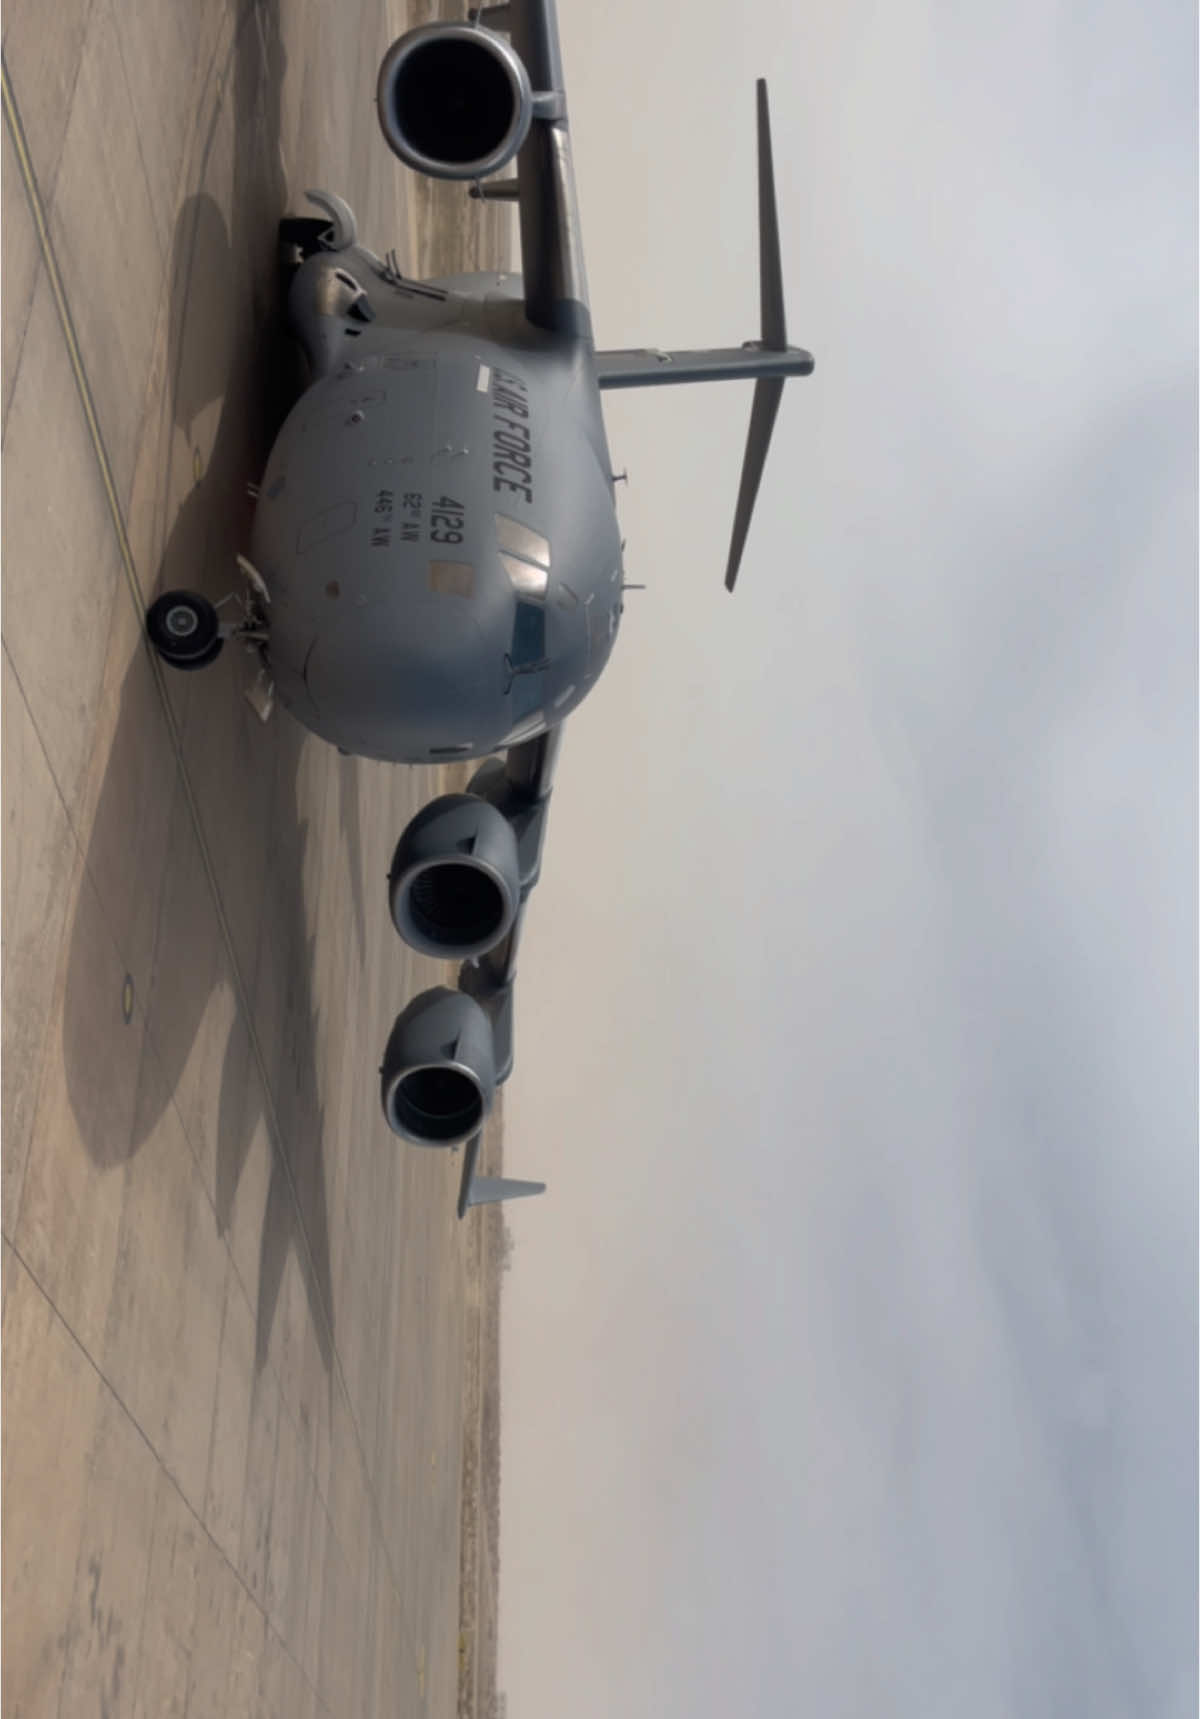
x,y
849,1364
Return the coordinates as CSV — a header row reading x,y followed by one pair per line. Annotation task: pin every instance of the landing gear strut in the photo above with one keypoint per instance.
x,y
188,632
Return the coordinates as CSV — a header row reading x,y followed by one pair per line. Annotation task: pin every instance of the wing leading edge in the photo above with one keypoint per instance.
x,y
438,1092
528,776
551,247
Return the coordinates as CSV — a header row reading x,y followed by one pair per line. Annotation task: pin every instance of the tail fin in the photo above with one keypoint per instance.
x,y
768,360
488,1190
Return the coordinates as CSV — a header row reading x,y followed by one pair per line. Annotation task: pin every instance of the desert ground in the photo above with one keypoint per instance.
x,y
250,1356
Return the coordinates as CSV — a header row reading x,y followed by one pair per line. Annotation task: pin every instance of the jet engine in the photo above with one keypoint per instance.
x,y
454,100
455,883
438,1078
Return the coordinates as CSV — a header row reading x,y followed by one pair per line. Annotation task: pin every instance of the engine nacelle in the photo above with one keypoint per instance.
x,y
454,886
438,1079
454,100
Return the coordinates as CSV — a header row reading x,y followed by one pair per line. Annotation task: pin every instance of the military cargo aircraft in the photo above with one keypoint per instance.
x,y
435,571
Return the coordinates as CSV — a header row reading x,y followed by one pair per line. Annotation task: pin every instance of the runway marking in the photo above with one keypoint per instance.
x,y
16,132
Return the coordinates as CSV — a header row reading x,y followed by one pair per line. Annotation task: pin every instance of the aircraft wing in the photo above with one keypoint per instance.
x,y
524,778
551,248
556,299
465,865
528,772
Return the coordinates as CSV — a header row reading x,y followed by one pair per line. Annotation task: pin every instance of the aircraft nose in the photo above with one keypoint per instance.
x,y
400,686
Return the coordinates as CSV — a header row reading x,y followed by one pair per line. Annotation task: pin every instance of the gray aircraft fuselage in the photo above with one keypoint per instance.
x,y
435,565
436,524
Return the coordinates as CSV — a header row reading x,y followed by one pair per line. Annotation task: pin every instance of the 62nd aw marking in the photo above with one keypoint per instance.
x,y
446,523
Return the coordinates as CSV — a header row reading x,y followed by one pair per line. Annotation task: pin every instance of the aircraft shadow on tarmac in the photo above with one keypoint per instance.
x,y
225,344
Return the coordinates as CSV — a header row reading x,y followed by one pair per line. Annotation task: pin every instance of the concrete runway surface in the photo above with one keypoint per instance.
x,y
238,1317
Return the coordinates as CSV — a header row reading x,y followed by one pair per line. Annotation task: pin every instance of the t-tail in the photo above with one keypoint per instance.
x,y
768,360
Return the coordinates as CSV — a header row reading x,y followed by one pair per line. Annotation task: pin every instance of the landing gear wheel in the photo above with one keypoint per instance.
x,y
210,656
184,629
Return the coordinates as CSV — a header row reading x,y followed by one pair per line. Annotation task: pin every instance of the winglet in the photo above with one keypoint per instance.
x,y
488,1190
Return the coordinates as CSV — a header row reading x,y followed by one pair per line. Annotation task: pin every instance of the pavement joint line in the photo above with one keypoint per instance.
x,y
11,671
137,133
151,1050
16,132
141,1637
104,1379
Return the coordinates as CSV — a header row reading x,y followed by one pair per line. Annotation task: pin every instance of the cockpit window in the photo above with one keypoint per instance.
x,y
517,539
529,636
525,555
528,580
526,662
599,631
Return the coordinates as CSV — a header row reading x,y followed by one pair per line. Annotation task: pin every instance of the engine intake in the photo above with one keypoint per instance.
x,y
438,1078
454,100
454,886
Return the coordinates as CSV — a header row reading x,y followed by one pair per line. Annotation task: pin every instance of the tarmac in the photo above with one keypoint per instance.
x,y
237,1313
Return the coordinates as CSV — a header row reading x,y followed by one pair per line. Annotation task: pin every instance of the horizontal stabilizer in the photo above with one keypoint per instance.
x,y
488,1190
650,368
768,390
767,361
767,395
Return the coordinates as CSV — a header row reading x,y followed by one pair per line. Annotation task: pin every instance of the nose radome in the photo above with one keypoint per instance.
x,y
419,678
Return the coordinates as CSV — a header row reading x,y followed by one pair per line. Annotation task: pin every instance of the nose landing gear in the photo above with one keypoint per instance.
x,y
185,629
188,632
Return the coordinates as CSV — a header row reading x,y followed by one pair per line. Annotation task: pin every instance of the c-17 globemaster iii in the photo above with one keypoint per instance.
x,y
435,570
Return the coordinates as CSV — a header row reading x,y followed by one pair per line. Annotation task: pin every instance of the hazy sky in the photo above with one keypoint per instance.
x,y
850,1361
